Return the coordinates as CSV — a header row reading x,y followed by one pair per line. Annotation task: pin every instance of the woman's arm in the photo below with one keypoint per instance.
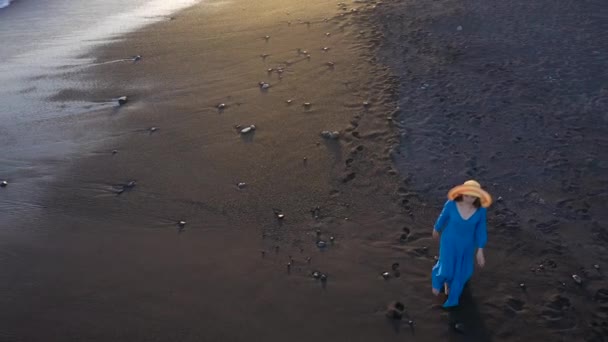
x,y
442,219
481,237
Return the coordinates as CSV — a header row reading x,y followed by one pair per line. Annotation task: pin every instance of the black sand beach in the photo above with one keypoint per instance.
x,y
424,96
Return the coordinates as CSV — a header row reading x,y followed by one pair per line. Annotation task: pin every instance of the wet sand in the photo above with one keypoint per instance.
x,y
94,259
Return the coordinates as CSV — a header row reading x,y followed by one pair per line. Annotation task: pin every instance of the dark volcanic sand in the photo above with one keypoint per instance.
x,y
514,99
517,98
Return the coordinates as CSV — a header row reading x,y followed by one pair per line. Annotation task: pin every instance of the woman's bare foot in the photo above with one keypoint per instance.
x,y
435,292
446,289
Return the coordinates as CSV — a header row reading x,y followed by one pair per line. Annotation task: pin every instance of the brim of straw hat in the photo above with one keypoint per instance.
x,y
471,190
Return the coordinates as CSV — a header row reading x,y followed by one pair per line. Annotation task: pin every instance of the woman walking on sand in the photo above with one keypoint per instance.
x,y
462,225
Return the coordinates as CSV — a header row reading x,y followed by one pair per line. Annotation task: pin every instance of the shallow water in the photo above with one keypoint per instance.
x,y
42,40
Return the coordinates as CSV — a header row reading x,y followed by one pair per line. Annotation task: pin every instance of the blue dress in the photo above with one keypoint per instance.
x,y
460,239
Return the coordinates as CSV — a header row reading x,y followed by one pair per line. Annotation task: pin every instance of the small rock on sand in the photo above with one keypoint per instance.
x,y
122,100
330,135
577,279
248,129
3,184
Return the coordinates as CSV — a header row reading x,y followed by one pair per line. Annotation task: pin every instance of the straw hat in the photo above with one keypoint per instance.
x,y
471,188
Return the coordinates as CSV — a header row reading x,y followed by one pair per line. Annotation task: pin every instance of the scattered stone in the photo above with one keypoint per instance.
x,y
395,310
386,275
266,37
330,135
323,277
459,327
410,323
307,104
3,184
325,49
395,266
316,274
241,185
321,244
269,70
264,85
522,286
327,34
289,101
366,104
264,55
596,266
131,184
332,239
153,129
459,28
248,129
577,279
403,238
435,258
288,266
330,64
318,232
221,106
182,224
122,100
308,260
136,58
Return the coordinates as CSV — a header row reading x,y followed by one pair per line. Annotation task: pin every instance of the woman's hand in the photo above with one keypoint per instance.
x,y
481,259
436,234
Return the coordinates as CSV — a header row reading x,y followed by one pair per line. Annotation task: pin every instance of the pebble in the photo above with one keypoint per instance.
x,y
325,49
221,106
459,28
153,129
308,259
264,85
136,58
131,184
410,323
241,185
316,274
522,286
3,184
248,129
327,34
321,244
395,266
577,279
181,223
403,238
289,101
332,239
596,266
330,135
266,37
280,216
122,100
330,64
386,275
366,104
459,327
323,277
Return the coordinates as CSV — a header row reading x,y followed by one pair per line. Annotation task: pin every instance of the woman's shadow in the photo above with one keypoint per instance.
x,y
467,314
